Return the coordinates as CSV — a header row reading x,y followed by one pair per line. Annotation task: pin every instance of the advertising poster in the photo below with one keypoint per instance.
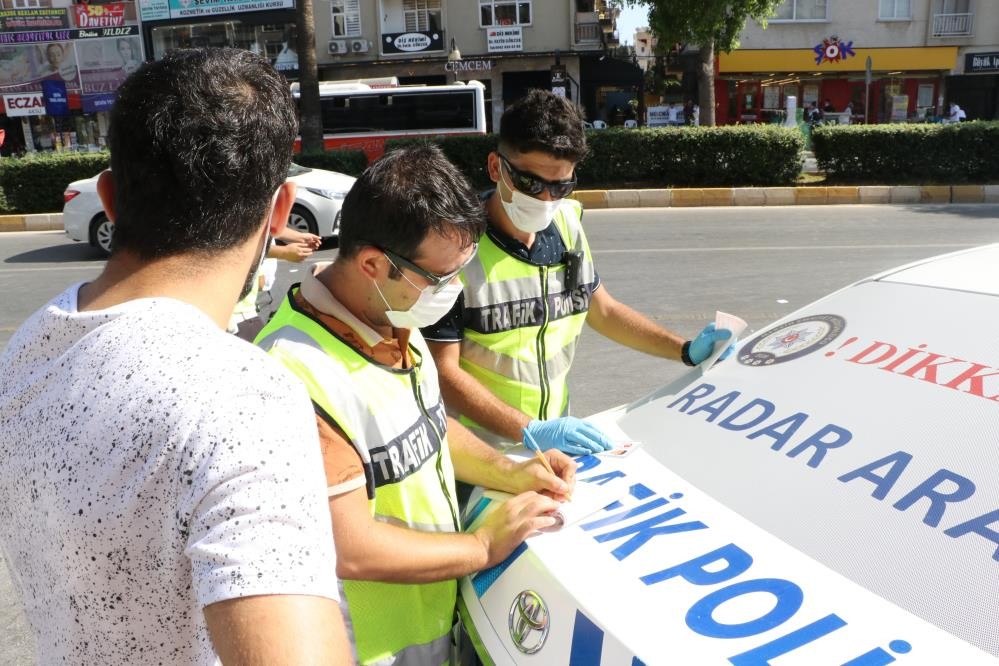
x,y
25,66
37,18
105,63
110,15
56,100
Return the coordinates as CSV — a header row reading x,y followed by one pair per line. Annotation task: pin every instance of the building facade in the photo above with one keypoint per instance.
x,y
508,45
60,65
923,54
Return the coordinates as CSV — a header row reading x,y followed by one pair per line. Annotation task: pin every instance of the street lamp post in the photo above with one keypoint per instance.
x,y
454,56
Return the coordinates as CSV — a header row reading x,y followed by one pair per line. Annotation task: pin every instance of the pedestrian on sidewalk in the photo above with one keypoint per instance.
x,y
161,490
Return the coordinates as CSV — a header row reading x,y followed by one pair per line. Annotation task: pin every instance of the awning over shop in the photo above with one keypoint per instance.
x,y
803,60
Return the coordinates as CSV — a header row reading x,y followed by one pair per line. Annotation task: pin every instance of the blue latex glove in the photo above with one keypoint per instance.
x,y
704,344
568,434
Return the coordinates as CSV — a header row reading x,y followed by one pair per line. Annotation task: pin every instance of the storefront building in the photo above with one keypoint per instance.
x,y
818,51
262,26
508,45
60,68
905,83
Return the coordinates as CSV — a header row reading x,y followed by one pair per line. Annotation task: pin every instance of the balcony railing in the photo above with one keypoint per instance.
x,y
952,25
589,32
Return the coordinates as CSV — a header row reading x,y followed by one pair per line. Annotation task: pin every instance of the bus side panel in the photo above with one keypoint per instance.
x,y
373,146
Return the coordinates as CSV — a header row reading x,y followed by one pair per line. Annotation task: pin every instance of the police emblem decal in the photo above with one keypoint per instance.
x,y
792,340
529,622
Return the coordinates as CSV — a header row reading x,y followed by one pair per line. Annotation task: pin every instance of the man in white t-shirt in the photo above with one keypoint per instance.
x,y
162,497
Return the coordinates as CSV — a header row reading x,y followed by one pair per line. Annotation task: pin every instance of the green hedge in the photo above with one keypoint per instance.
x,y
918,154
350,162
469,154
681,156
35,184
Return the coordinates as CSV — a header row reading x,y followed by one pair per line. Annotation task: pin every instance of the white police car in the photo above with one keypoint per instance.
x,y
318,200
828,495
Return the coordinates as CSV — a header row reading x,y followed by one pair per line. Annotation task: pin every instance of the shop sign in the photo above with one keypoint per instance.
x,y
189,8
833,49
981,62
66,35
154,10
98,103
504,39
657,116
24,104
56,101
468,65
411,42
110,15
46,18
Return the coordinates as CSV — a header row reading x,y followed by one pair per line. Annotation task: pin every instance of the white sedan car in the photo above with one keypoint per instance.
x,y
827,496
316,209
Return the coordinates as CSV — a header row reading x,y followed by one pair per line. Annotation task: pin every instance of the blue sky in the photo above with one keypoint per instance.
x,y
629,19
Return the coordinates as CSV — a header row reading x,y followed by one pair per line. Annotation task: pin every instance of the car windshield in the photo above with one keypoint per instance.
x,y
297,170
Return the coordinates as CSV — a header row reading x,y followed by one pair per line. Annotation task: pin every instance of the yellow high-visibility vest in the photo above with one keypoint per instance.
x,y
395,420
522,323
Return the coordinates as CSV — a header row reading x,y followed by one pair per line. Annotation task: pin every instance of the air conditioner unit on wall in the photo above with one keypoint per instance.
x,y
359,45
338,47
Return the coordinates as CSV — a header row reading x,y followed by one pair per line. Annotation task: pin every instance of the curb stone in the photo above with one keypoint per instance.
x,y
694,197
787,196
33,222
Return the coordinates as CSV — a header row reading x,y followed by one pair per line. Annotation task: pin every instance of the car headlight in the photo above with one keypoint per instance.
x,y
327,194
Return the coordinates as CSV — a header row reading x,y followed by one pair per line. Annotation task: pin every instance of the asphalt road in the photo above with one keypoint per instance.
x,y
675,265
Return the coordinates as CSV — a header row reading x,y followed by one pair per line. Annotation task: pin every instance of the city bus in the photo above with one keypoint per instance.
x,y
361,114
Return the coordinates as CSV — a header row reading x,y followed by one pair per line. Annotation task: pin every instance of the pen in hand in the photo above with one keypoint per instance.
x,y
530,443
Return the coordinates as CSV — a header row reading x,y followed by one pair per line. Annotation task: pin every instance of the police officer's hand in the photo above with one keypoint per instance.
x,y
513,521
567,434
533,475
702,346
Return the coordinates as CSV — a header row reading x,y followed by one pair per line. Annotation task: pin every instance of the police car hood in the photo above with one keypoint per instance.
x,y
827,495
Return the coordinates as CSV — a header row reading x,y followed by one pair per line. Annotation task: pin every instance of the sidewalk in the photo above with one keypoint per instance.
x,y
707,196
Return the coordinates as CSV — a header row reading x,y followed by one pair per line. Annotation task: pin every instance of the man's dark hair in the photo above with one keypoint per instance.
x,y
199,140
404,196
542,121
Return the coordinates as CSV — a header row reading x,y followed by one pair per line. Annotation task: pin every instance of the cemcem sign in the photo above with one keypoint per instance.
x,y
25,104
468,65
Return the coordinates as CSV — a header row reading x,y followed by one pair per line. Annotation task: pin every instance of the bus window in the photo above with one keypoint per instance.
x,y
395,112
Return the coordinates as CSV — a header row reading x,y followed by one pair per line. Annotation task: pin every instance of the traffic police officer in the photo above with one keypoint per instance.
x,y
505,349
350,333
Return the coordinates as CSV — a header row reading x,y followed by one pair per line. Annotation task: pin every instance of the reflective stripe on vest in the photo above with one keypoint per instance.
x,y
522,323
395,420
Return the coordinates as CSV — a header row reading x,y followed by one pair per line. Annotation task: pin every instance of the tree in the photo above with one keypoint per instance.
x,y
310,120
712,25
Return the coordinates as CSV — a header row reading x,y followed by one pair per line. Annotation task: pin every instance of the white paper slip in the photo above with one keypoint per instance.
x,y
730,322
587,499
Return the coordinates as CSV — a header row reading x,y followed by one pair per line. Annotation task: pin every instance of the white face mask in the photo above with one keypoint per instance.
x,y
528,214
428,308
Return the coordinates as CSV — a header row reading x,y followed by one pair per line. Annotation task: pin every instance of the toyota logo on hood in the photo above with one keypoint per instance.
x,y
529,622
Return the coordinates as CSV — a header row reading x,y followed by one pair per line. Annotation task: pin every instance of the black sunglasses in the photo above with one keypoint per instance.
x,y
437,282
533,185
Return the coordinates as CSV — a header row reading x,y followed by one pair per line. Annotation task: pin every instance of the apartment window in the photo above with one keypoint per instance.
x,y
895,9
954,6
801,10
346,18
26,4
504,12
422,15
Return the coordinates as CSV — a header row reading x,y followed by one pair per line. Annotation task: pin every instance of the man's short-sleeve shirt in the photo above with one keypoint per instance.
x,y
151,465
